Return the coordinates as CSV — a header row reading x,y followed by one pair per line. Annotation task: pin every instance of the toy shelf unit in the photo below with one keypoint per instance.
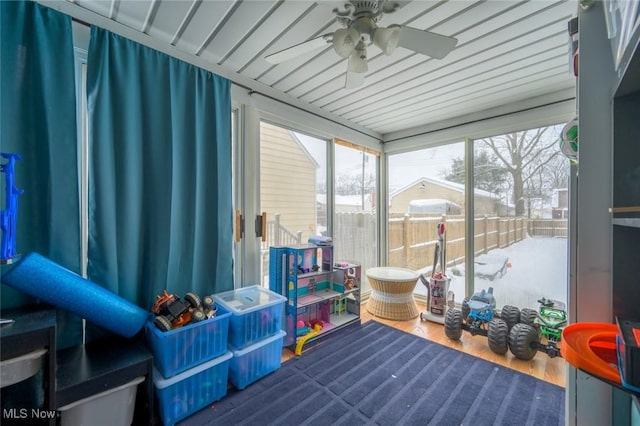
x,y
322,296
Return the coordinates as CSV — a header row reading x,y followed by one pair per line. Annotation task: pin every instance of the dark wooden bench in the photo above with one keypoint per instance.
x,y
86,370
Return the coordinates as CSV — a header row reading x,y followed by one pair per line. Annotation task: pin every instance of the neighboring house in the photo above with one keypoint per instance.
x,y
347,203
288,180
430,188
554,207
560,204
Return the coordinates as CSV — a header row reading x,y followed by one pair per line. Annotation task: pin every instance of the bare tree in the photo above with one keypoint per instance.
x,y
524,155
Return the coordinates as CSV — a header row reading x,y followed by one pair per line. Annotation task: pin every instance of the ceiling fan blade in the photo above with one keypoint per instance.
x,y
353,80
431,44
298,49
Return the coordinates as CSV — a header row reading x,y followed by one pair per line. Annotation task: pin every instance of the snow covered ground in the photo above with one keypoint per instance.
x,y
539,268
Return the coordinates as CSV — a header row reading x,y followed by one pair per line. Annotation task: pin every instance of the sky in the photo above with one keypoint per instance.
x,y
403,168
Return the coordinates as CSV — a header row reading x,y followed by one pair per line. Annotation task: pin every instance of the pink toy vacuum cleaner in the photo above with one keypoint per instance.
x,y
438,284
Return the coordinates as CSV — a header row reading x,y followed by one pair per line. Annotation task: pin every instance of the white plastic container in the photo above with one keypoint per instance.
x,y
20,368
112,407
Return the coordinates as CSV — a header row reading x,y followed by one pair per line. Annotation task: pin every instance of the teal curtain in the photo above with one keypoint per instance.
x,y
38,122
160,206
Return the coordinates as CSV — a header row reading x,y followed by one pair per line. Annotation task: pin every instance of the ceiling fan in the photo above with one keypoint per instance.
x,y
360,20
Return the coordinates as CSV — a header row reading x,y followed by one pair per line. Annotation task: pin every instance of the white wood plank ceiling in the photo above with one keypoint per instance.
x,y
508,51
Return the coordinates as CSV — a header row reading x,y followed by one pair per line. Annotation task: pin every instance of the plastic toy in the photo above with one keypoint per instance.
x,y
568,141
438,284
317,327
491,266
592,347
478,316
548,322
9,216
171,312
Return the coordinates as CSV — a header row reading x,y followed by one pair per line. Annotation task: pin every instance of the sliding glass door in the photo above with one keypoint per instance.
x,y
293,183
521,217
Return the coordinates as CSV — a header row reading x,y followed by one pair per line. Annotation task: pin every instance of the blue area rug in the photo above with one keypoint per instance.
x,y
377,375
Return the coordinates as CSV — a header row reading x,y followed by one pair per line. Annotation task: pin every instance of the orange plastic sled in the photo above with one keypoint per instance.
x,y
591,347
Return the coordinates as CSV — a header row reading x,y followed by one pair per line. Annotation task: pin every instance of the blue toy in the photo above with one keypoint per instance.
x,y
9,216
44,279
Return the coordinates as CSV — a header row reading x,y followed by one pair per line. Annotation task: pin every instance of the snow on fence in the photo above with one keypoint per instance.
x,y
413,238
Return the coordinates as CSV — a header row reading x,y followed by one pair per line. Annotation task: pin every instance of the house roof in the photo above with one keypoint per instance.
x,y
304,148
343,200
444,183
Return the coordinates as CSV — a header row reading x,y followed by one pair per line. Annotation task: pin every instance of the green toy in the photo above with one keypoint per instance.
x,y
548,322
568,141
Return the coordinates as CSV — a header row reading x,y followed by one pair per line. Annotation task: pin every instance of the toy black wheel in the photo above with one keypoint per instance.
x,y
422,318
528,316
197,315
510,315
162,323
498,336
453,324
193,299
523,341
465,308
207,302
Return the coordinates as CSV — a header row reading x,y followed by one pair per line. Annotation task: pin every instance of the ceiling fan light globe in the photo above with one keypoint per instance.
x,y
358,62
386,39
345,40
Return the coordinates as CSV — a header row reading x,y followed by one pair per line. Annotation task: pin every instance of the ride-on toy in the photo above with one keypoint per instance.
x,y
478,316
171,312
548,322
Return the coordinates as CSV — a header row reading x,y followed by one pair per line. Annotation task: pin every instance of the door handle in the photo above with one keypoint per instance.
x,y
239,225
261,226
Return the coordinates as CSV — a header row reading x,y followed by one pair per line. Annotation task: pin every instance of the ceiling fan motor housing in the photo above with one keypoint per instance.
x,y
364,15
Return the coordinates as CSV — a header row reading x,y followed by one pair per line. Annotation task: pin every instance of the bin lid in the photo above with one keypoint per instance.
x,y
160,382
267,340
248,299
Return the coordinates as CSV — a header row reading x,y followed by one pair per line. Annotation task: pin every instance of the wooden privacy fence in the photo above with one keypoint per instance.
x,y
413,239
548,227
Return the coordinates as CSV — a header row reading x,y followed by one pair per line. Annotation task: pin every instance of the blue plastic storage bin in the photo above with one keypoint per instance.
x,y
256,361
178,350
190,391
256,313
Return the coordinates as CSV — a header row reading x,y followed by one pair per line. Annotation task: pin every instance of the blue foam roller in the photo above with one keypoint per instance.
x,y
44,279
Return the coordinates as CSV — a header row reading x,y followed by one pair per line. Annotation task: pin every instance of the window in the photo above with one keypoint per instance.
x,y
520,206
426,187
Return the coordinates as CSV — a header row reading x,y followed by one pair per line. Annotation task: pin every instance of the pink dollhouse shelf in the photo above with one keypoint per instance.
x,y
318,296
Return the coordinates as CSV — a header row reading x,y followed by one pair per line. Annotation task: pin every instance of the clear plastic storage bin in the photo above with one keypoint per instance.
x,y
256,361
182,395
178,350
256,313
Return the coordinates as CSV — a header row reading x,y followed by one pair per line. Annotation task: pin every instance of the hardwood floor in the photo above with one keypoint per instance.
x,y
541,366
